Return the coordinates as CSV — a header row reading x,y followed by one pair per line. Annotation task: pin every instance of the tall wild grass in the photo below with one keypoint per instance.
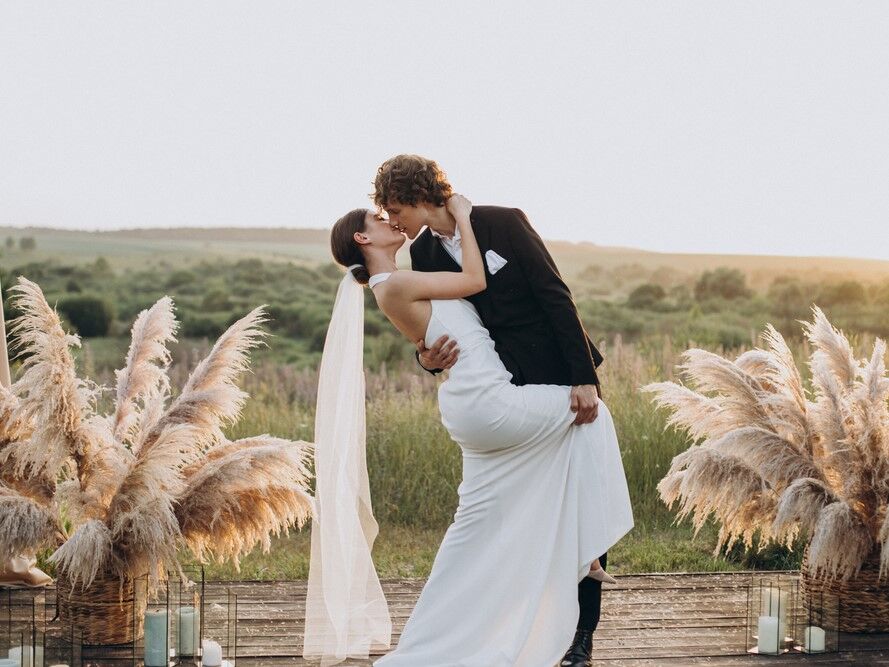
x,y
413,465
415,468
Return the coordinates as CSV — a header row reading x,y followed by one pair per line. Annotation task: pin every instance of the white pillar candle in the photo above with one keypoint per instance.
x,y
774,603
15,656
188,620
4,355
212,653
156,653
813,639
26,656
767,641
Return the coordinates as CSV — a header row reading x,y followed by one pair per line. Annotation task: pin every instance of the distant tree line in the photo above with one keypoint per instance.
x,y
26,243
717,307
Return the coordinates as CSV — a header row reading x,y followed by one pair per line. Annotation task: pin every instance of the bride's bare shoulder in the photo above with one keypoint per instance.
x,y
403,287
389,289
400,278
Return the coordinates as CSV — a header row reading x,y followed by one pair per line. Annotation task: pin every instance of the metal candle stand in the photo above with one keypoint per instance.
x,y
781,620
818,622
771,607
20,621
219,629
183,622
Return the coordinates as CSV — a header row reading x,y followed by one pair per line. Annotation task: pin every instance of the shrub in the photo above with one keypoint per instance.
x,y
681,296
299,320
286,318
603,318
102,268
592,273
202,326
216,300
387,348
844,293
180,278
646,296
375,323
90,315
724,283
881,294
712,332
332,271
788,298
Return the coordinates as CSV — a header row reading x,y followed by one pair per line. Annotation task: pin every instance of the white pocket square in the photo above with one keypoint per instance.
x,y
494,261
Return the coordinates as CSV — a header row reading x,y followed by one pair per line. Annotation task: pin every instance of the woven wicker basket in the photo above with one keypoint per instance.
x,y
108,612
863,600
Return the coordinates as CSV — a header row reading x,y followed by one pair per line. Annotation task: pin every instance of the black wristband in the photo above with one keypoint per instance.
x,y
434,372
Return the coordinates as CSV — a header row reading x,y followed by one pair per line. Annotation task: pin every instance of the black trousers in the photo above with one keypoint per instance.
x,y
589,595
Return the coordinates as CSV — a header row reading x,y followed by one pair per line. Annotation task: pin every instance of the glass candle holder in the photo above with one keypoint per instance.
x,y
817,623
771,610
219,633
187,592
21,624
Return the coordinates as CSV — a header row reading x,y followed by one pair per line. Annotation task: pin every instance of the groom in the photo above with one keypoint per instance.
x,y
527,309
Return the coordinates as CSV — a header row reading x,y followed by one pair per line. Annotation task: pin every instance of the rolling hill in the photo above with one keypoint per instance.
x,y
584,262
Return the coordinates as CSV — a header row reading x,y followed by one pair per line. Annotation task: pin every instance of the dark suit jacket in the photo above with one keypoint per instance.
x,y
527,307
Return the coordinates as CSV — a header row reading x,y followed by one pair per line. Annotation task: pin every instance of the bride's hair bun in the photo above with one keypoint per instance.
x,y
360,273
343,247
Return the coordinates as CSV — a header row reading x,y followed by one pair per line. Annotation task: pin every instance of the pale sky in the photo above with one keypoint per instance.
x,y
737,127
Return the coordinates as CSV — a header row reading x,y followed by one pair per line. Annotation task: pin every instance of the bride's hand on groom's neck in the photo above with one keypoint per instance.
x,y
459,207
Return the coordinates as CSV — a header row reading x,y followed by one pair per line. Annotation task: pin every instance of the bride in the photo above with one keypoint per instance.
x,y
540,500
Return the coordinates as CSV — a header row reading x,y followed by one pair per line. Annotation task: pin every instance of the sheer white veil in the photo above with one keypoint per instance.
x,y
346,611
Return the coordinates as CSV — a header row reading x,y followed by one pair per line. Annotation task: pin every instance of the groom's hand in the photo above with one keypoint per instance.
x,y
585,402
442,355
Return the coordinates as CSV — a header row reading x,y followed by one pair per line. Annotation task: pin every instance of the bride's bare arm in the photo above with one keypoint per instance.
x,y
420,285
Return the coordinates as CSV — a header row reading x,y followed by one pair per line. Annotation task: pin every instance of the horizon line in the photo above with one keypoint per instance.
x,y
326,229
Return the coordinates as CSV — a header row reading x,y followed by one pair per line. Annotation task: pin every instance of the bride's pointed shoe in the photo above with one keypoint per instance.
x,y
599,574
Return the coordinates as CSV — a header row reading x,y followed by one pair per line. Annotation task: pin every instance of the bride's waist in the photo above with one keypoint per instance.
x,y
477,370
479,349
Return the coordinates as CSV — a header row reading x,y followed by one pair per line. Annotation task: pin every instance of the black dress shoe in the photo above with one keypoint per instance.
x,y
580,653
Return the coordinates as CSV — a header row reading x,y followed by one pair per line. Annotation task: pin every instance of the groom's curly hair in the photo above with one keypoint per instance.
x,y
410,180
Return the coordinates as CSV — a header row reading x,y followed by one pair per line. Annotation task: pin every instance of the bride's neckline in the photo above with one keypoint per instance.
x,y
377,278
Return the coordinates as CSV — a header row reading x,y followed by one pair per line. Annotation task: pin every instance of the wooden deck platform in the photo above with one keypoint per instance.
x,y
651,619
647,619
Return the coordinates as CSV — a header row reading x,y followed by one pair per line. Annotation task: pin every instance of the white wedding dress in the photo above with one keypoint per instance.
x,y
540,500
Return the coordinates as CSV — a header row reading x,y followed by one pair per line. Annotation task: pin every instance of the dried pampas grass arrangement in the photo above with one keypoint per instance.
x,y
774,460
154,476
